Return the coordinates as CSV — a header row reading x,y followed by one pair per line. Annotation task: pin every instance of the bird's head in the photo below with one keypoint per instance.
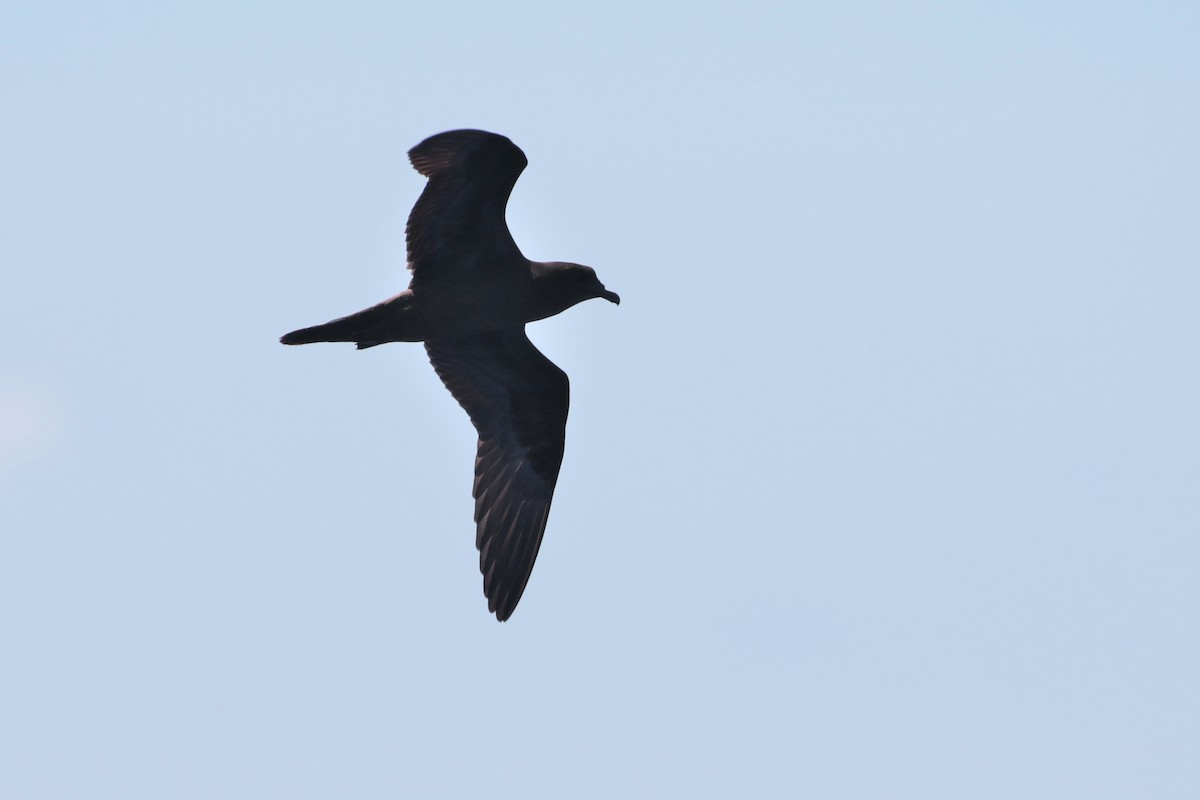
x,y
560,285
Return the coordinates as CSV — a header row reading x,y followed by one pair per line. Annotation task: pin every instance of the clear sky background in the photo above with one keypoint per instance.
x,y
882,481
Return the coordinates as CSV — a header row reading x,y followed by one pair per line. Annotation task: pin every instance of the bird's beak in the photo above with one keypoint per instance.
x,y
611,297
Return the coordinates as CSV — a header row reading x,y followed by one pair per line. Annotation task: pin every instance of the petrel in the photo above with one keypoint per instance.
x,y
471,293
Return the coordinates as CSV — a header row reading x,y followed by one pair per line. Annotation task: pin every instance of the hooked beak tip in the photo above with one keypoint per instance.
x,y
612,297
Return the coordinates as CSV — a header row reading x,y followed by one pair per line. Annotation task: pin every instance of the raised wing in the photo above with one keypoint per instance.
x,y
517,399
457,226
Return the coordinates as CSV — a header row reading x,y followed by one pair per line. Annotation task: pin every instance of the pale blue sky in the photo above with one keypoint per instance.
x,y
880,483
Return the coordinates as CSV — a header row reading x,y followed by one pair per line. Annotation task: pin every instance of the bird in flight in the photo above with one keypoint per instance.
x,y
470,296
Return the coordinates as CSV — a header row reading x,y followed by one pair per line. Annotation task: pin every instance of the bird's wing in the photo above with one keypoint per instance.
x,y
457,226
517,399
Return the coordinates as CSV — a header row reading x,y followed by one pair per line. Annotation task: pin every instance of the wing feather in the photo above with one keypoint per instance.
x,y
457,226
517,400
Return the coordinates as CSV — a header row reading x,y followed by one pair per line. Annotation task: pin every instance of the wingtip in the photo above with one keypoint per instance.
x,y
444,150
502,611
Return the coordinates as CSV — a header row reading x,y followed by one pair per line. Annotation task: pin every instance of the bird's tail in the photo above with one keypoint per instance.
x,y
367,328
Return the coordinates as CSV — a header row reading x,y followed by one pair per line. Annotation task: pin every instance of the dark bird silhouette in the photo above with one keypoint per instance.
x,y
470,296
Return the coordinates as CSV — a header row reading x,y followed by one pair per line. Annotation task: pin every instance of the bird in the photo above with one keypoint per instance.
x,y
469,298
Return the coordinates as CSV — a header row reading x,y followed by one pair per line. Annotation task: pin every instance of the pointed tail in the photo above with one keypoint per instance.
x,y
367,328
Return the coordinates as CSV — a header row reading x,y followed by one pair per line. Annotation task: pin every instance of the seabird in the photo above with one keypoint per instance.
x,y
471,293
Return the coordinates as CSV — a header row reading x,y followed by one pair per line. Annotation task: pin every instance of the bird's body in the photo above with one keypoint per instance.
x,y
471,293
